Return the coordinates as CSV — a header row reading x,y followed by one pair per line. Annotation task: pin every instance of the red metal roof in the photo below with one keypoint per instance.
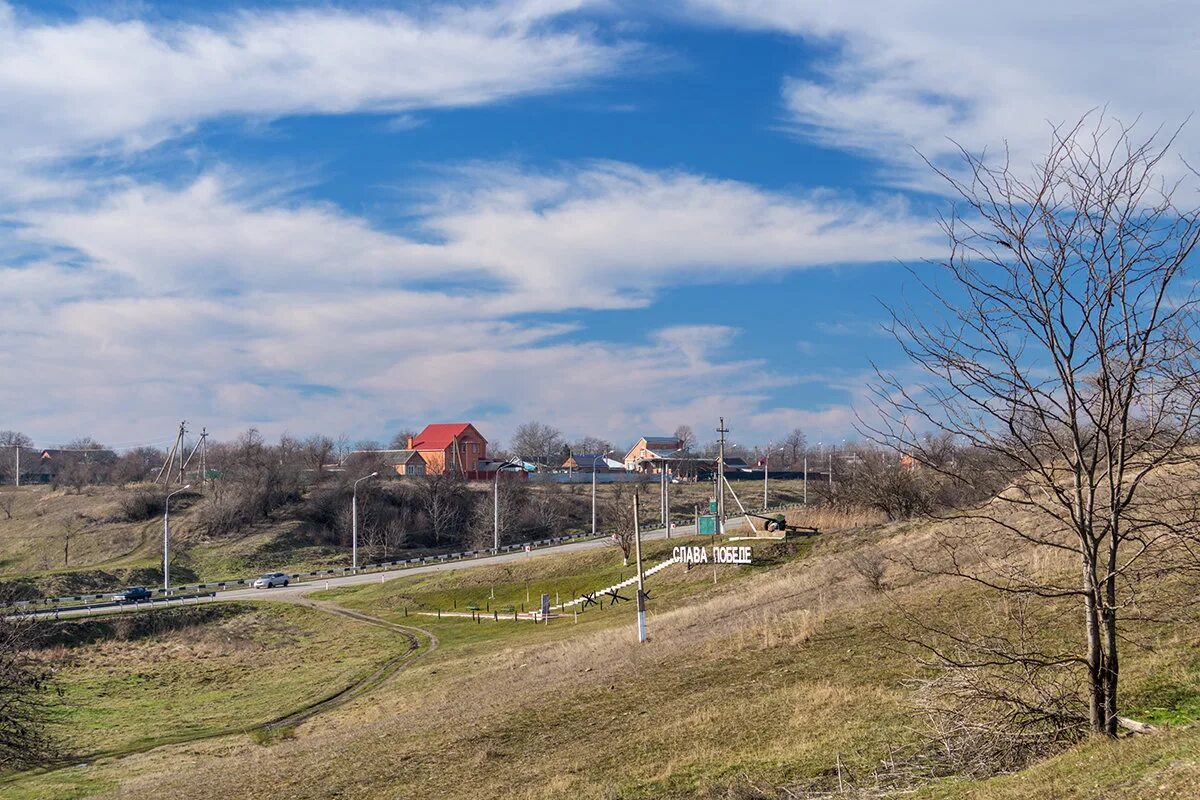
x,y
441,435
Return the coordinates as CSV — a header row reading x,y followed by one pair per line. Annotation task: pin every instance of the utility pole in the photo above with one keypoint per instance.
x,y
182,434
641,590
766,474
662,495
165,472
667,502
203,455
721,431
806,476
18,465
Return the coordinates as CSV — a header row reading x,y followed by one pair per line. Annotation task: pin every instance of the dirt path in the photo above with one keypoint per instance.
x,y
367,684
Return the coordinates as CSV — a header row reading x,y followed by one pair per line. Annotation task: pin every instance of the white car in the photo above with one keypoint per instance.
x,y
271,580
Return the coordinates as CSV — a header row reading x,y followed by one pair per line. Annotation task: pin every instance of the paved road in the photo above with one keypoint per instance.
x,y
296,591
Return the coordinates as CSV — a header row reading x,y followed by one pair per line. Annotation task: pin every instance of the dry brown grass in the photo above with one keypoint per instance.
x,y
835,518
491,709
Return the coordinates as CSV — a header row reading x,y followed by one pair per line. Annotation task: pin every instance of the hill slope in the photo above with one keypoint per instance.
x,y
771,682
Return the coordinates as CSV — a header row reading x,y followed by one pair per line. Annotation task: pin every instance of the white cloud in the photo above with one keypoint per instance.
x,y
609,233
602,236
69,87
200,302
915,74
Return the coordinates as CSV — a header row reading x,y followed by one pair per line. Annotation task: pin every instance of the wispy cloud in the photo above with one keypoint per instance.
x,y
124,85
916,75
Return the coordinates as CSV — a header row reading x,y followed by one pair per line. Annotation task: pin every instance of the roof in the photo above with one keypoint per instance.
x,y
403,456
668,455
586,461
653,442
441,435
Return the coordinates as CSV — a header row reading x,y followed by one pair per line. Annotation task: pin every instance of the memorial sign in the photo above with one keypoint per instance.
x,y
712,555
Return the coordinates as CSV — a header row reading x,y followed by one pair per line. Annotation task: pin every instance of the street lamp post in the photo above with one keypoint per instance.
x,y
767,471
167,538
354,523
496,505
604,455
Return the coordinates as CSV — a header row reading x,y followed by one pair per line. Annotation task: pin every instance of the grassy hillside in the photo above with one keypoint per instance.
x,y
55,541
769,682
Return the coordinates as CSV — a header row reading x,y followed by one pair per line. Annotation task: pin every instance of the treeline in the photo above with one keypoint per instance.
x,y
939,475
252,481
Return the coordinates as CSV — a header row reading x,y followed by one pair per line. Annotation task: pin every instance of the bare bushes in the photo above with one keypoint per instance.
x,y
389,516
26,701
870,565
256,479
983,722
999,695
141,504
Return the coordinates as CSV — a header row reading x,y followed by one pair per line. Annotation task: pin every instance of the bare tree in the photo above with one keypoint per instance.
x,y
85,461
317,452
443,499
591,444
687,438
548,508
618,514
538,442
402,438
71,526
10,442
795,446
26,701
512,492
1065,351
138,464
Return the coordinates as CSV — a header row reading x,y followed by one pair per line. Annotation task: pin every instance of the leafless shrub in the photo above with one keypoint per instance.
x,y
142,504
870,565
27,700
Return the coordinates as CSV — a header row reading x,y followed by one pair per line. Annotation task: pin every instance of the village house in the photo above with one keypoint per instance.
x,y
450,447
405,462
653,454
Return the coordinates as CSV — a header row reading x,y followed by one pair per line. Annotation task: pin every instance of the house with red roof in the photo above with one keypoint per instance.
x,y
450,446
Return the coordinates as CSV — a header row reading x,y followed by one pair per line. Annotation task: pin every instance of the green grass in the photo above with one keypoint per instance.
x,y
519,587
232,673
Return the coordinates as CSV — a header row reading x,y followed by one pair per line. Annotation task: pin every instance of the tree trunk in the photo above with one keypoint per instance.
x,y
1111,664
1097,707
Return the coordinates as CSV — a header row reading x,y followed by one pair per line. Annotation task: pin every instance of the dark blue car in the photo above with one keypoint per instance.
x,y
132,594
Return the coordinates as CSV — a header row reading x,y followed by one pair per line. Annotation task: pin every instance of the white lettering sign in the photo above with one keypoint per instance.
x,y
720,555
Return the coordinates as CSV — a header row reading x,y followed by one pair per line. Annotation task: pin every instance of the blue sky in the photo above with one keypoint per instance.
x,y
350,218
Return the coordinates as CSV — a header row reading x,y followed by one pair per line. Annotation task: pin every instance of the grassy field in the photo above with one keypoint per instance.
x,y
130,682
773,678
